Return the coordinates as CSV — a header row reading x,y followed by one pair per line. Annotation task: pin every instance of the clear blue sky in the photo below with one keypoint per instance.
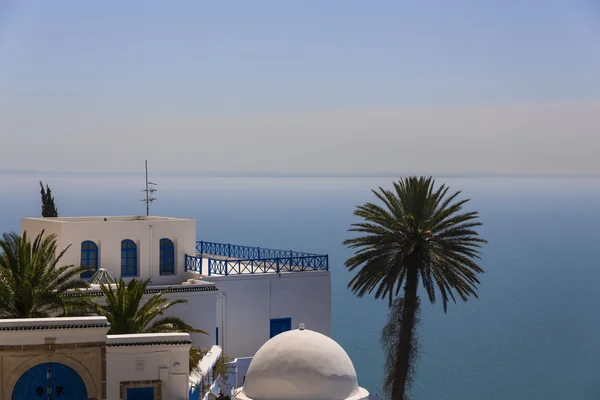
x,y
163,78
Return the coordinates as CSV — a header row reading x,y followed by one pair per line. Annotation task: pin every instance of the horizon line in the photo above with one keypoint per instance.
x,y
304,174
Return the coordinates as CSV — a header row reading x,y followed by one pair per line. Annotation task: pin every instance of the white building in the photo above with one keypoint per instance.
x,y
75,359
247,298
242,296
143,247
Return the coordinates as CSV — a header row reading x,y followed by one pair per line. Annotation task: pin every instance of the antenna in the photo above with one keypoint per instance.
x,y
149,191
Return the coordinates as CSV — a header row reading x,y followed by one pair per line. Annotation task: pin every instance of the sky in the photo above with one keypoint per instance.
x,y
344,86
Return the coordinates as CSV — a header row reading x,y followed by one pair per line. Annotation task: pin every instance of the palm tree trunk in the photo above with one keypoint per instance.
x,y
404,353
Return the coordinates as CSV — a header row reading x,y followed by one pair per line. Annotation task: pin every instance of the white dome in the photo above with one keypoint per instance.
x,y
301,365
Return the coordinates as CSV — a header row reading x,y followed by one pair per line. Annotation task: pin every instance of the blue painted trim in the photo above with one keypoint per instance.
x,y
166,257
89,257
143,393
250,260
129,258
193,263
246,252
266,265
279,325
217,336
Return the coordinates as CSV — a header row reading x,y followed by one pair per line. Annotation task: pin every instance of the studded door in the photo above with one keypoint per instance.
x,y
65,383
33,384
50,381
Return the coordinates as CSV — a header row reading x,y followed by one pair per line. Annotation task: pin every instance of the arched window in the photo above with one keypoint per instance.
x,y
89,258
129,261
167,257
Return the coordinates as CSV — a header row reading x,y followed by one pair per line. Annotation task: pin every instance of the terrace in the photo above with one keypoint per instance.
x,y
220,259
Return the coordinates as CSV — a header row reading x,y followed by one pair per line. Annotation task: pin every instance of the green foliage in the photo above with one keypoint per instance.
x,y
48,206
196,355
417,233
223,368
127,315
418,227
32,285
220,371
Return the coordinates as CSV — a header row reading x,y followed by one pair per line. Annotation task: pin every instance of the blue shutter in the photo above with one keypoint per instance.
x,y
167,257
129,260
279,325
89,258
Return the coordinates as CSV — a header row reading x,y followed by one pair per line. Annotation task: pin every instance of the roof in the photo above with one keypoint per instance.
x,y
108,218
34,324
101,276
301,364
148,339
96,291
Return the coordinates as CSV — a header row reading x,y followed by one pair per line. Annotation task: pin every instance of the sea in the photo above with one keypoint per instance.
x,y
533,333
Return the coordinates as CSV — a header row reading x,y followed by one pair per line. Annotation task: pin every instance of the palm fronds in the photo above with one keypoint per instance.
x,y
417,225
127,314
32,284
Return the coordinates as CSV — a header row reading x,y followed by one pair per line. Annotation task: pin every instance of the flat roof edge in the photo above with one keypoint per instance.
x,y
107,218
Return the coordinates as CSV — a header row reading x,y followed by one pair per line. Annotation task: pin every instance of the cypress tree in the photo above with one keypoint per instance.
x,y
48,206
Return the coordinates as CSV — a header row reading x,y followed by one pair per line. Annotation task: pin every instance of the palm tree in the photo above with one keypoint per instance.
x,y
127,315
419,233
32,285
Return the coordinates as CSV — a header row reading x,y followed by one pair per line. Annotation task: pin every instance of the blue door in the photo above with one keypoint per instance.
x,y
50,381
279,325
146,393
33,384
66,384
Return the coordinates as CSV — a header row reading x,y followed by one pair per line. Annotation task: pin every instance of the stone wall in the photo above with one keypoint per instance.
x,y
87,359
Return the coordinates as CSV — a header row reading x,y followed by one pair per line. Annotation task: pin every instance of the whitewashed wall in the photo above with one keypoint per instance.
x,y
241,369
251,301
199,312
168,363
30,337
146,232
34,226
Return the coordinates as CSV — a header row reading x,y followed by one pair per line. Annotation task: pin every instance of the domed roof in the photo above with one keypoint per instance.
x,y
301,365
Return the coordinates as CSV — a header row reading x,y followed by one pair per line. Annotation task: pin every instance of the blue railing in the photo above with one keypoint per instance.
x,y
251,260
193,263
246,252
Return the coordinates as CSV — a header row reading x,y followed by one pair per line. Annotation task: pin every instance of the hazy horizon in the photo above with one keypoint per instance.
x,y
300,174
461,88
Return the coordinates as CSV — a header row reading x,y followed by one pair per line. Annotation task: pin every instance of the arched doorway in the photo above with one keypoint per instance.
x,y
50,381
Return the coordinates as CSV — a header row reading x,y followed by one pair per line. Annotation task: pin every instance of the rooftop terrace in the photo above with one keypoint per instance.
x,y
220,259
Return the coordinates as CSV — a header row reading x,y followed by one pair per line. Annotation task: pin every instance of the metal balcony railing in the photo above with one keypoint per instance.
x,y
245,252
251,260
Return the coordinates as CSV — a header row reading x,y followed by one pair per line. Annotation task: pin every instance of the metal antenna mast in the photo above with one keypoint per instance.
x,y
149,191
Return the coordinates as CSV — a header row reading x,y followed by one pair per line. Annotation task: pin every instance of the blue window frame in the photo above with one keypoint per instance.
x,y
167,257
89,258
146,393
129,258
279,325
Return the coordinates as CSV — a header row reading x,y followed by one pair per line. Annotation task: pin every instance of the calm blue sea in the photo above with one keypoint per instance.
x,y
534,333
